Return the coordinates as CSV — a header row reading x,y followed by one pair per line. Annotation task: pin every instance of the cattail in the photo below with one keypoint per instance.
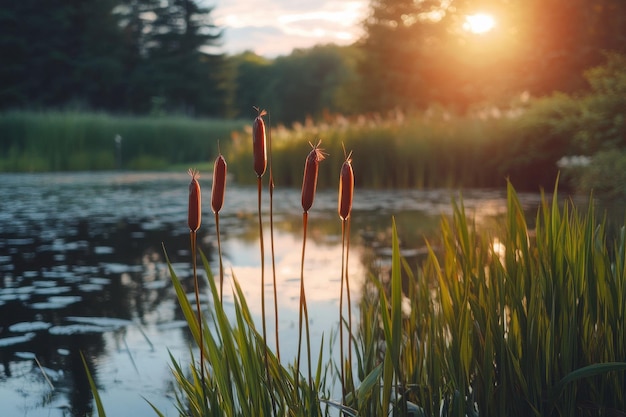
x,y
346,188
309,182
258,144
219,184
195,201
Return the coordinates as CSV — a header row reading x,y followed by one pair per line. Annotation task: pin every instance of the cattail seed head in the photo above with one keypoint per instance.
x,y
346,188
219,184
194,216
258,144
309,182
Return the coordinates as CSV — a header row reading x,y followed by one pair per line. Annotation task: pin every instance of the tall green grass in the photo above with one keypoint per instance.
x,y
59,141
529,324
433,149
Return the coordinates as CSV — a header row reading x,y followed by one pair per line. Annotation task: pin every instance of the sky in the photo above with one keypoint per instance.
x,y
275,27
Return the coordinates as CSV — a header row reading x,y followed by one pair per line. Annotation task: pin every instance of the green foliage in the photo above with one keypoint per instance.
x,y
56,141
605,176
603,123
527,324
93,388
307,83
113,55
538,139
431,150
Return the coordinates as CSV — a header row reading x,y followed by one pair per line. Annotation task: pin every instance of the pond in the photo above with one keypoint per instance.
x,y
82,270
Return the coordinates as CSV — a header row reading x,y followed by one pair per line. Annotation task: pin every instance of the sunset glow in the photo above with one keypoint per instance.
x,y
479,23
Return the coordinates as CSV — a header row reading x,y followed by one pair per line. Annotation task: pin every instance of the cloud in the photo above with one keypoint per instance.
x,y
276,27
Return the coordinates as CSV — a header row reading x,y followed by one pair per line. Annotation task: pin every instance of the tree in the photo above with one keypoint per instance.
x,y
415,52
58,52
306,83
188,77
115,55
399,37
252,80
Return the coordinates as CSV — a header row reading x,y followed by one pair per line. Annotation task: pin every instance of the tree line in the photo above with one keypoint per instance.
x,y
131,56
151,56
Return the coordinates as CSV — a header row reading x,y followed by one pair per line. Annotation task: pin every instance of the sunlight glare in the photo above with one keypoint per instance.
x,y
479,23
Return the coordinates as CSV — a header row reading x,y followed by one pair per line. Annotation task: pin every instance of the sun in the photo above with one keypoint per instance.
x,y
479,23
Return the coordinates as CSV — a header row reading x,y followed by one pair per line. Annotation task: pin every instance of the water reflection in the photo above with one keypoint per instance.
x,y
82,270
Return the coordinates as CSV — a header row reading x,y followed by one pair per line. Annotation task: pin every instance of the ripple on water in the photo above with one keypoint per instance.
x,y
117,268
31,326
72,329
51,290
103,250
16,340
56,302
110,322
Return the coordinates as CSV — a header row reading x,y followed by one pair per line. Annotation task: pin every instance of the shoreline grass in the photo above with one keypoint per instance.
x,y
432,149
77,141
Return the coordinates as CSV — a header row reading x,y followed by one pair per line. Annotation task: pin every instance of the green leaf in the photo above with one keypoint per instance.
x,y
586,372
94,389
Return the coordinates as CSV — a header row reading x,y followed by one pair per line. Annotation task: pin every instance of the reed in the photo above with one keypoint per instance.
x,y
217,202
260,165
272,249
309,185
194,218
437,148
344,208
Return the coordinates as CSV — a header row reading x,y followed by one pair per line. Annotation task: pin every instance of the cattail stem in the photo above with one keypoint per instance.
x,y
219,254
271,187
194,219
259,187
346,191
341,354
193,238
303,313
349,308
267,366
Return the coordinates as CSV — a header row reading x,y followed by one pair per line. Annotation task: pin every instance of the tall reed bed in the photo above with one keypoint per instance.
x,y
57,141
431,149
527,322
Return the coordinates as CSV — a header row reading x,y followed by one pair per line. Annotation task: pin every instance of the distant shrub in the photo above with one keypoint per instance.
x,y
605,176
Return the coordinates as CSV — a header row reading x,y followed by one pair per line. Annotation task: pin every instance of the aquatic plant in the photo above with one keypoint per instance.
x,y
217,202
344,208
194,218
309,185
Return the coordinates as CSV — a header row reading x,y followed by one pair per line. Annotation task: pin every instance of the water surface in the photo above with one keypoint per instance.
x,y
82,270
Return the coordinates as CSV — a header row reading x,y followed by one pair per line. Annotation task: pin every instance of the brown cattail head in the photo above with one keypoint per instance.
x,y
258,143
346,188
309,182
195,201
219,184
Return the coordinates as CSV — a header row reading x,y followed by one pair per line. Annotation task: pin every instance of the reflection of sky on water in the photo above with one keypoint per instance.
x,y
76,248
322,274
